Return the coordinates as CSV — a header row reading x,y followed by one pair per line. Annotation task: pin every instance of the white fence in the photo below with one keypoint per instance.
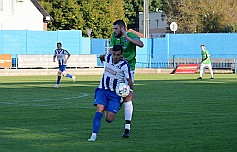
x,y
46,61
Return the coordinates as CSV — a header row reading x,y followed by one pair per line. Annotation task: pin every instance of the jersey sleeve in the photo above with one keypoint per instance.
x,y
133,36
66,52
107,58
112,40
55,52
126,69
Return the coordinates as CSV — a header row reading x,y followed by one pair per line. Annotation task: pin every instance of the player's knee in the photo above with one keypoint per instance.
x,y
109,117
109,120
59,73
64,73
100,108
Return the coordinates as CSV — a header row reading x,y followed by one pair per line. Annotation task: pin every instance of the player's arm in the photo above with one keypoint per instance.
x,y
102,58
135,41
68,56
54,57
131,93
111,44
130,83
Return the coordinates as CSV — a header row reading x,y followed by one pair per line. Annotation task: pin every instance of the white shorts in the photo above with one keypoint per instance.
x,y
205,66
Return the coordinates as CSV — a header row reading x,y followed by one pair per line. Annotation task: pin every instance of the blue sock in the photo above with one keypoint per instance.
x,y
58,80
69,75
97,122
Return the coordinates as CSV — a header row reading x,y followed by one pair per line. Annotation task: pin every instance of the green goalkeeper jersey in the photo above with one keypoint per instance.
x,y
206,57
129,49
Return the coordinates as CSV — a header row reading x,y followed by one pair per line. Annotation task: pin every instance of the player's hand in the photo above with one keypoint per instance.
x,y
130,97
123,33
65,61
53,60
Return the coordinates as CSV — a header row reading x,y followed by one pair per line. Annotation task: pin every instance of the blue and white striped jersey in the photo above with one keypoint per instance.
x,y
61,56
114,73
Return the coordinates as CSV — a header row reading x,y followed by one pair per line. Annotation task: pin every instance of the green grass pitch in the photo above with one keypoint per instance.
x,y
171,113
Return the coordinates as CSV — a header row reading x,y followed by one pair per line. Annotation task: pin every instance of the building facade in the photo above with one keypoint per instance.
x,y
157,24
23,15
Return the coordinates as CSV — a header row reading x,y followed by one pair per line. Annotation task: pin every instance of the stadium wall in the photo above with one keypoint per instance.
x,y
156,53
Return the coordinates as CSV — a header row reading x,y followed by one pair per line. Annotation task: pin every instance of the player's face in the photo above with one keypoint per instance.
x,y
59,46
117,31
117,55
203,48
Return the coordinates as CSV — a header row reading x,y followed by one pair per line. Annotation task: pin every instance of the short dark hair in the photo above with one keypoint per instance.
x,y
120,23
118,48
59,43
202,45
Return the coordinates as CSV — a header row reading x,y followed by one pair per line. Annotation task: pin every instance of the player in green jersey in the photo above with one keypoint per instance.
x,y
206,62
128,41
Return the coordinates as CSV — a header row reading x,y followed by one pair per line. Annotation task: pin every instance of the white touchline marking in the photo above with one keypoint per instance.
x,y
83,95
24,103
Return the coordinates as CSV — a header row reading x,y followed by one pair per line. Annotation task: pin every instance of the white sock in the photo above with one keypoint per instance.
x,y
127,126
128,110
93,137
211,71
201,72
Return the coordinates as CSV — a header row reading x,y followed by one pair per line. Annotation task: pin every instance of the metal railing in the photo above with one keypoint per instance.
x,y
219,61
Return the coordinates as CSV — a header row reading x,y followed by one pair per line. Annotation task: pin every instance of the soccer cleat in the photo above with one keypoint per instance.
x,y
199,78
74,78
211,78
93,137
56,86
126,133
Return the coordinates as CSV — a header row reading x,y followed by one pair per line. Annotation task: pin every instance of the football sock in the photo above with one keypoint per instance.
x,y
127,125
211,71
128,110
68,75
97,122
201,72
93,137
58,80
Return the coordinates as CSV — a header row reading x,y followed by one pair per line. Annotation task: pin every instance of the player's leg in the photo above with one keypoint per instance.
x,y
113,105
202,66
100,102
65,74
59,77
211,71
128,111
97,122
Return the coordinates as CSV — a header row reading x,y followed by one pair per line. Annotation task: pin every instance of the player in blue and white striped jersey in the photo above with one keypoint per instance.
x,y
116,70
62,62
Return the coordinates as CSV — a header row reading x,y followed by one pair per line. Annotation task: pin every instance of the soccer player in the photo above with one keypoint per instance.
x,y
116,70
206,62
62,62
128,41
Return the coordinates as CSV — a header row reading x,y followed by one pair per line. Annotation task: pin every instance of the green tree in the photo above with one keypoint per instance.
x,y
84,14
99,15
202,15
65,14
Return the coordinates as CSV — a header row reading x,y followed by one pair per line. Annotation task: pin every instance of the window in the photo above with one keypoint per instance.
x,y
1,5
6,6
157,23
